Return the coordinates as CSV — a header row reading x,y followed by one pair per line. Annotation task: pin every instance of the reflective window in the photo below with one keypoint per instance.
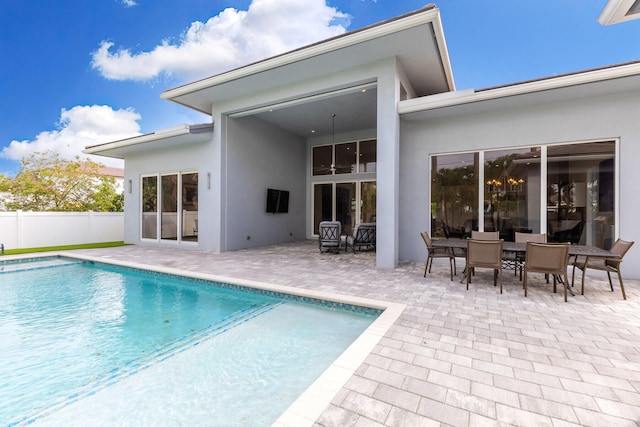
x,y
150,207
367,156
346,205
170,201
512,191
190,206
169,214
368,201
581,193
346,158
454,194
323,160
322,204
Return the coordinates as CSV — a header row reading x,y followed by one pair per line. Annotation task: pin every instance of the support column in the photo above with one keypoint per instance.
x,y
387,167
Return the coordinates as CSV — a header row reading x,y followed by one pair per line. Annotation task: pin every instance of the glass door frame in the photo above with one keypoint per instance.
x,y
159,212
358,199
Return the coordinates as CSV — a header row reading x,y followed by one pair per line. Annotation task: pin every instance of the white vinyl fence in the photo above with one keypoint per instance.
x,y
37,229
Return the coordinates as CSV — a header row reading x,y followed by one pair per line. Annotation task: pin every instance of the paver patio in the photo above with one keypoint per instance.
x,y
457,357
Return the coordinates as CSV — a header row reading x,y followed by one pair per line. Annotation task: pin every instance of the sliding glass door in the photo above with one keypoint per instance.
x,y
170,207
350,203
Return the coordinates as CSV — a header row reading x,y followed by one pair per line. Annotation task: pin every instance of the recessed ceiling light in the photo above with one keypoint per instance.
x,y
313,131
363,90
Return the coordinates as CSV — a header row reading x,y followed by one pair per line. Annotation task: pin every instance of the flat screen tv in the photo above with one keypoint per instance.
x,y
277,201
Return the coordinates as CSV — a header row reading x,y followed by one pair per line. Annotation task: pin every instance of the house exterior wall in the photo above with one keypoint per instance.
x,y
260,156
503,125
191,157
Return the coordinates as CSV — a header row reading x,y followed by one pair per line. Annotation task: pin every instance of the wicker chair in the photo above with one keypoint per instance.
x,y
433,252
610,265
548,258
484,254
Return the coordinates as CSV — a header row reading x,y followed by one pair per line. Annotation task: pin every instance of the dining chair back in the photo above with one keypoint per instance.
x,y
484,254
433,252
610,265
524,238
548,258
485,235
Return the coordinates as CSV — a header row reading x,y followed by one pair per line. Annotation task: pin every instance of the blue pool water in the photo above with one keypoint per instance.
x,y
74,336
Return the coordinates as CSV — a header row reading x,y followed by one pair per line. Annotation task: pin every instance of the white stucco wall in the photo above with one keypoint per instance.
x,y
190,157
502,124
260,156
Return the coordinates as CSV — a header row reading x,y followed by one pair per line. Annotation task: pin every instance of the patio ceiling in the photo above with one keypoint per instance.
x,y
354,110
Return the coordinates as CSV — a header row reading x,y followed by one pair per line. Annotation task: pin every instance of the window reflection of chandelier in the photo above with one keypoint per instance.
x,y
515,184
512,184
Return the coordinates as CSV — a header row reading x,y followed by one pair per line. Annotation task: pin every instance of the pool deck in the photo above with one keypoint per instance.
x,y
456,357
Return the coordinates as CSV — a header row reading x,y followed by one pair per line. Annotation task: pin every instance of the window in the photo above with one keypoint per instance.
x,y
579,189
177,199
345,199
344,158
581,193
512,191
454,194
150,207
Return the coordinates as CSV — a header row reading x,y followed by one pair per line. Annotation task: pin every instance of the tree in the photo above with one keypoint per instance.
x,y
47,182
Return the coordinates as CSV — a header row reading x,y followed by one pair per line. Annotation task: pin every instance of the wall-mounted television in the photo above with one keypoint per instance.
x,y
277,201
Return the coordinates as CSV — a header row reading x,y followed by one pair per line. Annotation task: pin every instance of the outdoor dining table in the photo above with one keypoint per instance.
x,y
574,250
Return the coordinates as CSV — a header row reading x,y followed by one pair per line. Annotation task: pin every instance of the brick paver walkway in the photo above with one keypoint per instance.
x,y
457,357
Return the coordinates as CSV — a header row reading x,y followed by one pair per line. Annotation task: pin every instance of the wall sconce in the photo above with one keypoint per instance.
x,y
130,186
208,180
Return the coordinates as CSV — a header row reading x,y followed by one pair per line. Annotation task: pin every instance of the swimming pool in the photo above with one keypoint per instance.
x,y
155,348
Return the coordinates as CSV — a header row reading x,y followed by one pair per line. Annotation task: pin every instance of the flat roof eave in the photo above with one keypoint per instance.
x,y
343,52
469,96
176,135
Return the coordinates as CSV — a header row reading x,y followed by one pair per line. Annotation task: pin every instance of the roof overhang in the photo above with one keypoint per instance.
x,y
616,11
619,78
415,39
180,135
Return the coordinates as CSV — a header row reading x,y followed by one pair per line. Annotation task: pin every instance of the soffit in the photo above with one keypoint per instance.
x,y
416,41
170,138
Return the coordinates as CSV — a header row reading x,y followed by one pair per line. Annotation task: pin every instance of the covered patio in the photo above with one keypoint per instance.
x,y
458,357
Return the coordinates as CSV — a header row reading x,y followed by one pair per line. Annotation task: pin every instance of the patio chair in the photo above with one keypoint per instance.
x,y
433,252
610,265
484,254
329,236
548,258
485,235
364,235
524,238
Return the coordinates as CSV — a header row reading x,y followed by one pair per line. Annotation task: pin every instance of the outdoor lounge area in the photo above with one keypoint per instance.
x,y
458,357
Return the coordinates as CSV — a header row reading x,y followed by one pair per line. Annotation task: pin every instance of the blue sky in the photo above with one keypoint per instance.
x,y
78,72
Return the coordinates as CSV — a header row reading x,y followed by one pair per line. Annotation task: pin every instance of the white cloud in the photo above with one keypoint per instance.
x,y
232,38
128,3
79,127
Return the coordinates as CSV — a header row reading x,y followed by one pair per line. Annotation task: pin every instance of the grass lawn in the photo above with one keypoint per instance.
x,y
62,248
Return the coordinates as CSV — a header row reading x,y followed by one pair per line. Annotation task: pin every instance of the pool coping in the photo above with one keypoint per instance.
x,y
308,407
